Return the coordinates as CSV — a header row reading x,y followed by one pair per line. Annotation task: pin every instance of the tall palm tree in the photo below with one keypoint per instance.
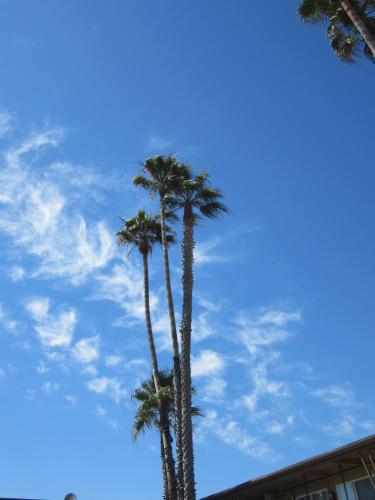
x,y
197,199
143,232
161,178
350,25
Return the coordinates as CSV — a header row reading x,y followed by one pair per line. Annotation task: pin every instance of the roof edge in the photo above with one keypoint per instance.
x,y
297,466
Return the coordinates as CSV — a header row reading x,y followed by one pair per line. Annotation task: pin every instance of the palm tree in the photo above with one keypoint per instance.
x,y
351,25
197,199
162,179
143,232
148,417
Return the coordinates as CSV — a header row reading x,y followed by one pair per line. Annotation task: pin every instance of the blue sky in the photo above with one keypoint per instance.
x,y
284,317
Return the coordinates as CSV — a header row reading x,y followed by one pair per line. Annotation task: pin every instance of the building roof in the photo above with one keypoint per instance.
x,y
308,471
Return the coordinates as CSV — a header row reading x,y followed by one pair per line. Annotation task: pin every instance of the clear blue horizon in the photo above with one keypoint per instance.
x,y
283,315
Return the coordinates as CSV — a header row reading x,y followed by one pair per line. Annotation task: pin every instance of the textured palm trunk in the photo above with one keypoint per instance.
x,y
164,424
164,470
176,356
186,327
168,453
360,24
168,431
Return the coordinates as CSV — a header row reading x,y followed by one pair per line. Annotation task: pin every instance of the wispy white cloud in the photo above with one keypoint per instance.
x,y
102,414
205,320
71,399
341,427
204,252
213,390
156,143
139,365
36,214
233,434
112,387
202,326
38,307
161,327
347,422
58,331
87,350
278,318
255,335
339,396
16,273
51,136
263,385
260,333
90,370
208,305
85,180
6,123
207,363
53,329
56,356
42,368
113,360
50,387
123,285
9,324
279,427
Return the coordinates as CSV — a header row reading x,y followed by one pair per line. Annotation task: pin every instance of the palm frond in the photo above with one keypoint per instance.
x,y
213,209
141,181
196,411
313,11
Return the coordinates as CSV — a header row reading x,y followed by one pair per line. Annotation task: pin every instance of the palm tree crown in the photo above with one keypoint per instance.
x,y
147,415
197,193
345,39
161,175
143,232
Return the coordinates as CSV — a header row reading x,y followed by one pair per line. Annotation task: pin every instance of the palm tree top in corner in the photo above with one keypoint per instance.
x,y
350,25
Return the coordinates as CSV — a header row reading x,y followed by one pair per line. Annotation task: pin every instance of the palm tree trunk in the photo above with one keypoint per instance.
x,y
186,327
164,424
176,356
168,452
164,470
360,24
